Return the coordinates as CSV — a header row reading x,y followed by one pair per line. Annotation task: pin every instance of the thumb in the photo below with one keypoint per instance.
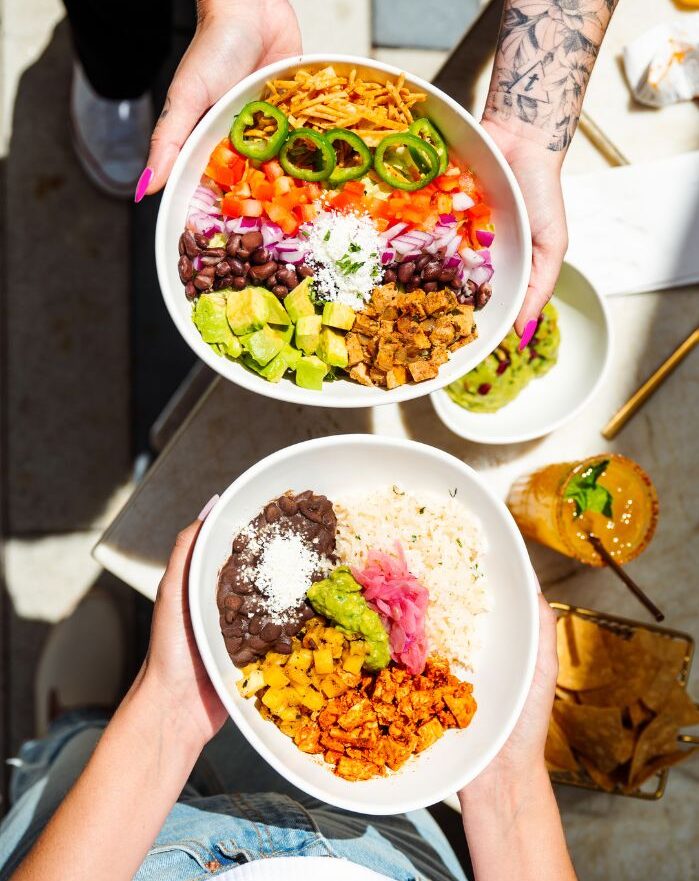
x,y
546,266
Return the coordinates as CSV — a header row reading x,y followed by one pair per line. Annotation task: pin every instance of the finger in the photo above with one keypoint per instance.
x,y
546,266
181,553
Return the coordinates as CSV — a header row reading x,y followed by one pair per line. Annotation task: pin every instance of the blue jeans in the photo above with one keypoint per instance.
x,y
234,808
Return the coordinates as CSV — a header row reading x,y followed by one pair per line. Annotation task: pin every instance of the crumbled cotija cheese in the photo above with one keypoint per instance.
x,y
345,254
284,570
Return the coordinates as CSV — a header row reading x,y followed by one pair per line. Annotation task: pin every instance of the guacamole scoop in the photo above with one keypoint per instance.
x,y
338,597
498,379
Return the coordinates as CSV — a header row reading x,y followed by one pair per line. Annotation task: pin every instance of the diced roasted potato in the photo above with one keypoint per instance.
x,y
323,660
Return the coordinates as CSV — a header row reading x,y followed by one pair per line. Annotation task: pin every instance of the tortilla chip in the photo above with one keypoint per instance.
x,y
582,657
564,694
597,733
670,655
604,781
557,752
681,706
666,761
659,737
638,714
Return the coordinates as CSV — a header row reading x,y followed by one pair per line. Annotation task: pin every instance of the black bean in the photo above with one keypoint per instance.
x,y
255,625
185,269
483,295
423,261
280,290
307,612
405,271
271,631
202,241
246,268
180,244
233,643
233,602
208,271
243,253
272,512
202,282
257,644
233,244
245,655
466,300
218,253
221,283
235,266
208,260
190,246
430,286
190,290
272,280
287,277
413,284
242,587
305,271
260,273
455,284
259,256
288,505
313,509
238,282
390,276
282,645
222,268
235,627
432,270
252,240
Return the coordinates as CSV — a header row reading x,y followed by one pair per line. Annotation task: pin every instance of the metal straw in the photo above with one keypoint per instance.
x,y
628,581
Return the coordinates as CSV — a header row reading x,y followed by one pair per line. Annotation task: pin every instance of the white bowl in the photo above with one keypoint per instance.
x,y
557,397
503,667
511,250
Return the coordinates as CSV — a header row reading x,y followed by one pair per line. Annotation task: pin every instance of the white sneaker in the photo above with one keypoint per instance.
x,y
111,138
83,661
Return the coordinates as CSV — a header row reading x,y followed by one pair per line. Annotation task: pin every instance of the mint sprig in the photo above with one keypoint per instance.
x,y
587,494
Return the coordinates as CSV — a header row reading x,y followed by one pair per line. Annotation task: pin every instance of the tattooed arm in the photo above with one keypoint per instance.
x,y
545,55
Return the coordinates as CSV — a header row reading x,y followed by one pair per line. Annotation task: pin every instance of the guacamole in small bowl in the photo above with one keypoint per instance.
x,y
498,379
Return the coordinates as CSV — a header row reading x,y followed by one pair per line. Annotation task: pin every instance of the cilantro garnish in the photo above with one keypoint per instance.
x,y
354,247
587,494
326,237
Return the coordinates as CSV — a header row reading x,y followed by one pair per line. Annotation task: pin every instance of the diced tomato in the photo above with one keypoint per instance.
x,y
467,184
283,185
446,183
251,208
354,186
444,203
308,212
262,190
230,206
313,190
480,211
282,216
381,224
241,190
272,170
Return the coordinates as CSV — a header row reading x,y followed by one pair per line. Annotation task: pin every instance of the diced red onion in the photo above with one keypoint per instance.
x,y
290,244
199,222
415,255
387,256
485,254
211,230
481,274
271,233
450,249
447,219
242,224
452,261
196,262
205,194
485,237
204,207
417,235
401,245
393,231
294,256
471,258
462,202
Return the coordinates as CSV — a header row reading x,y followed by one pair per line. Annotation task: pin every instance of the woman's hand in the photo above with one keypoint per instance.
x,y
233,38
523,755
173,674
538,172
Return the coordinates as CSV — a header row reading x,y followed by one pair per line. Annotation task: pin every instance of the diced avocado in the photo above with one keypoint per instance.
x,y
276,368
292,355
332,348
310,372
298,302
338,315
218,240
209,315
277,313
308,333
284,333
246,310
263,344
250,362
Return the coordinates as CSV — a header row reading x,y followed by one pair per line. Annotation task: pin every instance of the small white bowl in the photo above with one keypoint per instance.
x,y
504,665
470,142
557,397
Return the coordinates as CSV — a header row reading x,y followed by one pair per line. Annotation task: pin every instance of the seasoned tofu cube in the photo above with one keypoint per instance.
x,y
360,374
365,325
355,353
422,370
397,375
439,356
463,324
383,297
436,302
428,733
385,356
357,714
356,769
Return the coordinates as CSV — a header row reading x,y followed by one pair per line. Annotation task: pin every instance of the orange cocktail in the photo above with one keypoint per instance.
x,y
545,508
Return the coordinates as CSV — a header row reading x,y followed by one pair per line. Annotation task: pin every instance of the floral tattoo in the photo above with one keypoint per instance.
x,y
546,52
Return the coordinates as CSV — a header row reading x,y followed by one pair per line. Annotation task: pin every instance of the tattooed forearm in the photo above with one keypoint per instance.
x,y
545,55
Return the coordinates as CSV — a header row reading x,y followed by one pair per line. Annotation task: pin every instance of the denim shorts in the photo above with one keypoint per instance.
x,y
235,808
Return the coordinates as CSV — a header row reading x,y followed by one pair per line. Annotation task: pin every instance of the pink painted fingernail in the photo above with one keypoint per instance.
x,y
206,510
529,329
143,183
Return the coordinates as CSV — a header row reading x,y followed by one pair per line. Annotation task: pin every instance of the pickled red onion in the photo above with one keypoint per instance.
x,y
401,601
